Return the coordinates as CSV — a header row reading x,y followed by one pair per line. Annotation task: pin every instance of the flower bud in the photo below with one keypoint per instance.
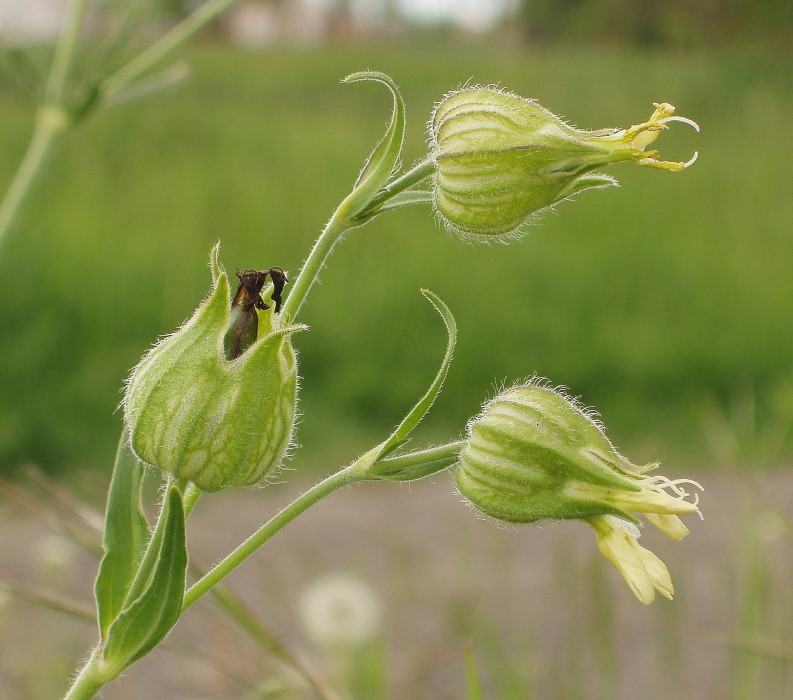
x,y
214,403
500,158
534,453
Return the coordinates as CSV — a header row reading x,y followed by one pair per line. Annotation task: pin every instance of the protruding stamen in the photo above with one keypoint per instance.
x,y
683,120
691,160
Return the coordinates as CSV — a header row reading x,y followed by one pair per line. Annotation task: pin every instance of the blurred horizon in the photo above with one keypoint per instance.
x,y
263,23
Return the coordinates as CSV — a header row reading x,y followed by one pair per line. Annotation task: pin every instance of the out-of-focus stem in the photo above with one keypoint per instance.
x,y
270,528
64,53
52,120
51,125
168,43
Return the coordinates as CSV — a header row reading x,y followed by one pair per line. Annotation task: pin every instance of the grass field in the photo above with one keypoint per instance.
x,y
667,304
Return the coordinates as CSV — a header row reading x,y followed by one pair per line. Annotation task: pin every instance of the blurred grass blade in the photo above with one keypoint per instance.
x,y
155,600
425,403
473,686
385,156
125,537
48,600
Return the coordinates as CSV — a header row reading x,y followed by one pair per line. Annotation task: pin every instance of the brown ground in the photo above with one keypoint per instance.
x,y
536,601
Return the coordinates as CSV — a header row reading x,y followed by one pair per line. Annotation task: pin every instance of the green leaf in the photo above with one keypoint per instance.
x,y
125,536
385,156
424,404
154,602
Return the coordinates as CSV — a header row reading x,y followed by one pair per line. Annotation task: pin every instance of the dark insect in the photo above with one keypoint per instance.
x,y
244,322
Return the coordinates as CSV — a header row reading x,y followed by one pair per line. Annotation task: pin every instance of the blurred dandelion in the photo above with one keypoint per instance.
x,y
341,610
55,552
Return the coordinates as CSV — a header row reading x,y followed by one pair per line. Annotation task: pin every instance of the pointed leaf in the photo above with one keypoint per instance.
x,y
125,537
381,163
425,403
155,600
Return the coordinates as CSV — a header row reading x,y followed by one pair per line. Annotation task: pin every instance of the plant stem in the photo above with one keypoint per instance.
x,y
90,679
191,495
51,124
409,178
168,43
52,120
64,53
335,228
443,453
315,261
316,493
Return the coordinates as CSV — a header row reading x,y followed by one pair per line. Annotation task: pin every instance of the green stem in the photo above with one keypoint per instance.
x,y
190,497
416,174
265,532
168,43
335,228
51,124
90,679
64,54
315,261
51,121
432,455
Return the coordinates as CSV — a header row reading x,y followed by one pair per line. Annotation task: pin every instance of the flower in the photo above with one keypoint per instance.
x,y
500,158
644,572
534,453
214,403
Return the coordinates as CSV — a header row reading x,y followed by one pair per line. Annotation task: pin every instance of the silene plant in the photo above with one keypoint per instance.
x,y
212,406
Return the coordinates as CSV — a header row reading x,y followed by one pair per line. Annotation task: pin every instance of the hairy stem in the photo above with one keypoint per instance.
x,y
191,495
416,174
335,228
91,678
315,261
446,454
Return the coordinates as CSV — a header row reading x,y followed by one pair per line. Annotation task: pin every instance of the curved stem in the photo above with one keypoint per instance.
x,y
90,679
171,41
265,532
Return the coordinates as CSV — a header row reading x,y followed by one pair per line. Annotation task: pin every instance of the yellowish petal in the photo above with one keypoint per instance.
x,y
670,525
657,572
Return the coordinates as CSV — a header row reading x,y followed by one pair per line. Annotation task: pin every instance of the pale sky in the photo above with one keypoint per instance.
x,y
41,18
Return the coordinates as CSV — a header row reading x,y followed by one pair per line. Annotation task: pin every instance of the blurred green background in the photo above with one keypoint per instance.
x,y
666,304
